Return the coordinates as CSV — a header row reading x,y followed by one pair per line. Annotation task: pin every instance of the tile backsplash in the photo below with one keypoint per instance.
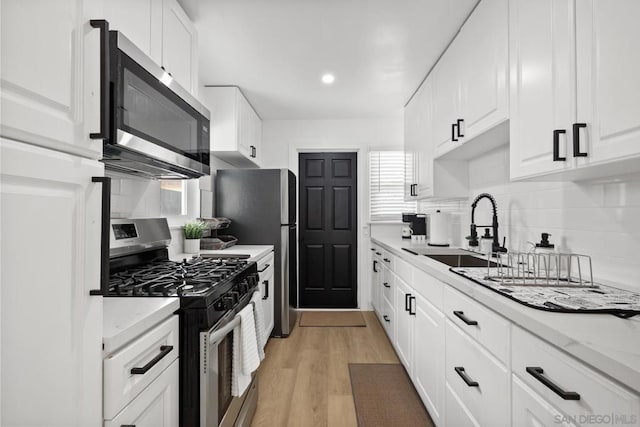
x,y
599,219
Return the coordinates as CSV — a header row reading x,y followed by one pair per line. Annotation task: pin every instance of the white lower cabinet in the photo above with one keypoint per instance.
x,y
141,379
156,406
265,270
457,414
567,384
481,381
529,409
428,356
405,324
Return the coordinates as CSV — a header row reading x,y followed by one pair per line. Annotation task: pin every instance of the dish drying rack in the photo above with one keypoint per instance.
x,y
542,269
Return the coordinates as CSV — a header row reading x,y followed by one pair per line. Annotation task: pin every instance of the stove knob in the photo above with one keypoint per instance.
x,y
235,296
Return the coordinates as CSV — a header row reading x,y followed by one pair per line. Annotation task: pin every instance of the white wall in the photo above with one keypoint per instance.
x,y
599,219
283,140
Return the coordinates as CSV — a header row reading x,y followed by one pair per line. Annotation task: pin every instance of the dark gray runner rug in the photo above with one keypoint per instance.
x,y
384,396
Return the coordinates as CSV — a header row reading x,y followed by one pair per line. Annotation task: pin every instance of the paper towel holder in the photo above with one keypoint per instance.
x,y
431,223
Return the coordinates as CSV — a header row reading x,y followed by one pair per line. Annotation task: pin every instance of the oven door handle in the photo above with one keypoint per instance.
x,y
223,331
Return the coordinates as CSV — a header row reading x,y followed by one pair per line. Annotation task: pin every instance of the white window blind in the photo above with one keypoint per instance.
x,y
386,186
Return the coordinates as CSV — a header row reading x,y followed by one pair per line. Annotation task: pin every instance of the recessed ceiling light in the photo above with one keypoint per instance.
x,y
328,79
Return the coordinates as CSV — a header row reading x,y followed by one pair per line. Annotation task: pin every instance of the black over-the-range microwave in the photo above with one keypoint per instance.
x,y
151,126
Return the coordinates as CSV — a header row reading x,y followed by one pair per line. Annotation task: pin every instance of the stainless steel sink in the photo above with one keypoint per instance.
x,y
461,260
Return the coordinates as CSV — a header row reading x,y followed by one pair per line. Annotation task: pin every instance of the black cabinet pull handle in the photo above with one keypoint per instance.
x,y
386,259
556,145
266,290
104,233
453,133
459,127
265,267
460,371
537,373
386,285
412,304
386,318
105,87
406,302
378,253
460,315
127,425
372,249
375,263
413,189
164,350
576,139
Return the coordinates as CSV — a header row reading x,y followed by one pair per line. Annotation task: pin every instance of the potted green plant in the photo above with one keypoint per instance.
x,y
192,234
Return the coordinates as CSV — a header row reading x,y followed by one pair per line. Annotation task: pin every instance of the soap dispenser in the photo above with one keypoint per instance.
x,y
486,242
545,246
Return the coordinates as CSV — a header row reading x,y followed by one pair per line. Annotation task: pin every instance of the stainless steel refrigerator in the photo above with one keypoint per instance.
x,y
261,204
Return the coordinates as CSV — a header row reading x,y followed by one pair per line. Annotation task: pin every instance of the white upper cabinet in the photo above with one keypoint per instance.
x,y
424,176
179,46
162,30
50,75
483,68
418,144
140,21
575,112
608,80
236,129
470,91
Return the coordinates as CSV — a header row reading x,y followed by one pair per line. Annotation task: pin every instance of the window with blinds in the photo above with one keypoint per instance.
x,y
386,186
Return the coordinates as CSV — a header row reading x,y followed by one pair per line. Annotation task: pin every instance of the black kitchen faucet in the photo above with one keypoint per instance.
x,y
495,247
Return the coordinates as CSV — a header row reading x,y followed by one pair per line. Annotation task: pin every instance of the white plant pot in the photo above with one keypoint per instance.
x,y
191,246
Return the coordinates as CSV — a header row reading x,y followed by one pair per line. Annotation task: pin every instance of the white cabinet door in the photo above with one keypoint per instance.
x,y
483,68
446,101
423,144
50,84
245,123
428,356
375,280
140,21
156,406
404,327
608,64
179,46
266,290
411,119
51,326
542,90
531,410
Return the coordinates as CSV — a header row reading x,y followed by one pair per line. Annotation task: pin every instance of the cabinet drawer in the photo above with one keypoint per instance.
x,y
457,414
156,406
404,270
388,285
429,287
388,320
265,263
487,327
596,394
388,260
480,380
120,385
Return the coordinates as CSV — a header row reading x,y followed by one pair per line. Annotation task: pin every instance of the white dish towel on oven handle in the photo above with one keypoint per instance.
x,y
258,313
245,352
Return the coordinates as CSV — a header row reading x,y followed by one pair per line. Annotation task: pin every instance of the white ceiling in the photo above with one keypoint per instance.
x,y
277,50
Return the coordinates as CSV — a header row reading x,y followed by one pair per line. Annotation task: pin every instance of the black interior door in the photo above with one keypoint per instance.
x,y
328,238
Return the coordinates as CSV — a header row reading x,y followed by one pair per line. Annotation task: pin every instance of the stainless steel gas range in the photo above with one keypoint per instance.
x,y
212,291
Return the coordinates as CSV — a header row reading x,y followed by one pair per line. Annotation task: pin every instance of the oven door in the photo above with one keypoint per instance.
x,y
153,116
217,406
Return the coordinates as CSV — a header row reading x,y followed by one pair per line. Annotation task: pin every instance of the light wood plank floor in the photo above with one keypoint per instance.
x,y
304,379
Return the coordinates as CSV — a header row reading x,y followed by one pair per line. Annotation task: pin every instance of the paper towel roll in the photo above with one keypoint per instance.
x,y
439,228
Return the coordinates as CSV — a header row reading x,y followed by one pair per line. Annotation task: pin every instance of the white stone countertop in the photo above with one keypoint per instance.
x,y
605,342
255,252
126,318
